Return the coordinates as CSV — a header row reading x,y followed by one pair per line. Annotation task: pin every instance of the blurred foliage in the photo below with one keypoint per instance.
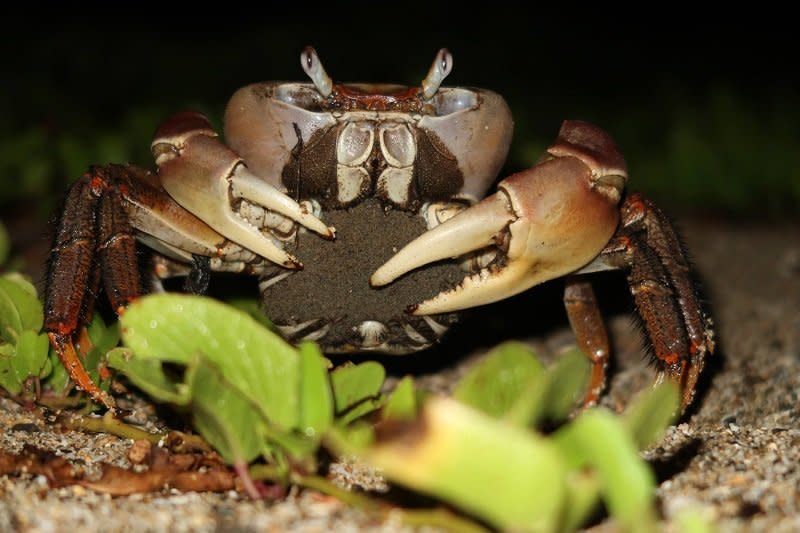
x,y
252,395
264,403
707,120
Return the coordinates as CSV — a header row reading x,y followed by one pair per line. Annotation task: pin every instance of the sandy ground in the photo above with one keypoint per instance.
x,y
736,454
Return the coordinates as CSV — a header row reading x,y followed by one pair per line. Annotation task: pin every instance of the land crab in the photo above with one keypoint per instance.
x,y
416,162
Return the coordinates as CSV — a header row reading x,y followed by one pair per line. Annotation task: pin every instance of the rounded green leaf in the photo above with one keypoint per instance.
x,y
316,398
223,415
402,403
31,354
10,322
8,374
149,375
652,412
497,382
20,308
567,379
178,327
508,476
354,384
598,440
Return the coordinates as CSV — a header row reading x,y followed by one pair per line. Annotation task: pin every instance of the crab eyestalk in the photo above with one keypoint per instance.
x,y
312,66
440,69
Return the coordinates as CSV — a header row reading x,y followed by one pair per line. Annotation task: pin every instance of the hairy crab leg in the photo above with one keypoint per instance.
x,y
679,331
101,211
590,332
638,213
658,270
81,231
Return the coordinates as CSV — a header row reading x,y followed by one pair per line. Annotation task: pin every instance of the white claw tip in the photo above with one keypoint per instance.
x,y
312,66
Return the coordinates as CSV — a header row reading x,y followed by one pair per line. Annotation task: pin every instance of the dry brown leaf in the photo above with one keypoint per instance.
x,y
184,471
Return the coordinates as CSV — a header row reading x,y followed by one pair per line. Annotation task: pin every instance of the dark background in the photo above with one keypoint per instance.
x,y
705,106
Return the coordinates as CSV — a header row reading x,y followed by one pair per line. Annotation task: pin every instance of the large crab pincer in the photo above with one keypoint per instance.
x,y
561,217
423,157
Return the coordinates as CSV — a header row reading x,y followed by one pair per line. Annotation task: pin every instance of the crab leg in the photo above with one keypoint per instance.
x,y
554,218
590,332
80,234
205,176
649,250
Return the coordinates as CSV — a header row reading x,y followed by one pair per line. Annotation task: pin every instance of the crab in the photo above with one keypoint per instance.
x,y
415,160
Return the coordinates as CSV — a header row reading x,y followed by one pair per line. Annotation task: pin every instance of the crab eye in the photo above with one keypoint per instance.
x,y
312,66
441,67
446,61
308,56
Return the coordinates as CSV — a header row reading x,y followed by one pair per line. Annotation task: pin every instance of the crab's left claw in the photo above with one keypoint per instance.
x,y
549,220
206,177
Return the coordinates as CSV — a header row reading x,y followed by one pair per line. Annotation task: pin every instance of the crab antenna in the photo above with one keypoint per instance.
x,y
439,70
310,62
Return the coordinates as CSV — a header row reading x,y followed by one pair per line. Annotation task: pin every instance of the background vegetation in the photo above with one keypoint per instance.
x,y
706,110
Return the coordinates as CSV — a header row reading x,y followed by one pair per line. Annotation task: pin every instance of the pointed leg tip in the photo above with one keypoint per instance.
x,y
65,350
109,402
293,264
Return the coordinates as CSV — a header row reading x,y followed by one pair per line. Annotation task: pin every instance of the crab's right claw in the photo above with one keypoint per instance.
x,y
549,220
204,176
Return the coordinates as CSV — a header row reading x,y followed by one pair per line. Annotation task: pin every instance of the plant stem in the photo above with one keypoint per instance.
x,y
438,517
108,424
57,403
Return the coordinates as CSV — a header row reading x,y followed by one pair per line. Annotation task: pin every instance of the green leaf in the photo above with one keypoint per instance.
x,y
583,495
252,308
502,473
10,322
553,394
176,328
402,403
8,374
598,440
31,354
316,398
47,367
496,383
58,379
567,380
104,337
360,409
20,308
354,384
649,415
224,417
24,283
149,375
696,519
351,438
